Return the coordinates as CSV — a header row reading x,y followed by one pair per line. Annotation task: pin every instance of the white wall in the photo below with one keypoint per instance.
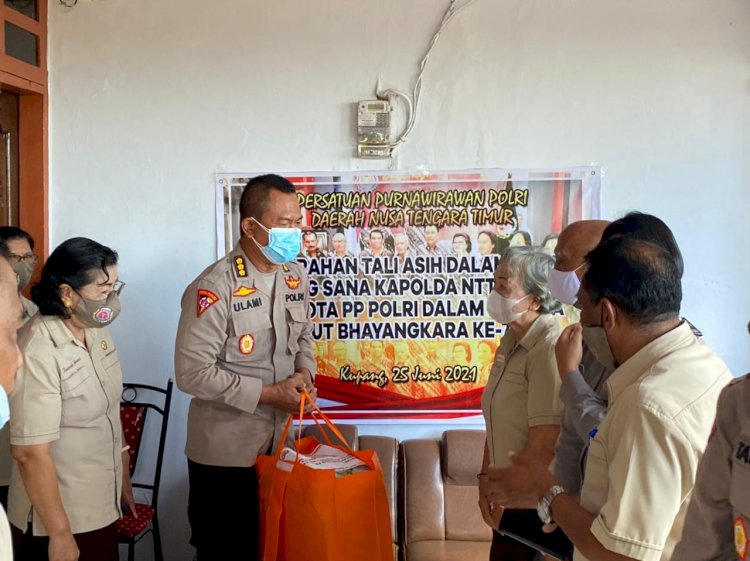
x,y
150,99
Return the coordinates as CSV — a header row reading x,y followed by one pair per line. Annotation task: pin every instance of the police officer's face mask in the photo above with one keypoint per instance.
x,y
98,313
283,244
23,272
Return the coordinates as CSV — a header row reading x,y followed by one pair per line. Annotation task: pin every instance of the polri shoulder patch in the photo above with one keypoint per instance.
x,y
206,299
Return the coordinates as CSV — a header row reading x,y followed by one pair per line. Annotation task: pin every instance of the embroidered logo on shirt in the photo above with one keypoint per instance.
x,y
247,344
206,299
239,266
243,291
292,282
740,538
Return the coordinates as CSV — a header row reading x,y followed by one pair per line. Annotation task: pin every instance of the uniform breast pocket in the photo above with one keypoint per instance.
x,y
595,482
81,400
516,378
252,329
113,378
297,316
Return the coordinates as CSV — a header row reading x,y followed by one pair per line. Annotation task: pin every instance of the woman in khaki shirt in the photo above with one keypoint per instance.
x,y
71,468
520,403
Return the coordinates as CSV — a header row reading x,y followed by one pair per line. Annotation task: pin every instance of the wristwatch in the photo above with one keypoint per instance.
x,y
542,509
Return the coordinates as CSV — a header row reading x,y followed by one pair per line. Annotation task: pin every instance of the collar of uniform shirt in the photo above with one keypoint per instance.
x,y
638,365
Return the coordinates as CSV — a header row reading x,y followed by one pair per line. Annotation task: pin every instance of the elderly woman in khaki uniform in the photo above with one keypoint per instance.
x,y
71,469
520,403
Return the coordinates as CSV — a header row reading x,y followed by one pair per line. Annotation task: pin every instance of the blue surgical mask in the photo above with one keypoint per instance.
x,y
283,244
4,407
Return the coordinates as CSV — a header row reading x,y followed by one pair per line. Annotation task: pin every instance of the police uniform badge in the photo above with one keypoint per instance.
x,y
239,267
740,538
246,344
244,291
206,299
292,282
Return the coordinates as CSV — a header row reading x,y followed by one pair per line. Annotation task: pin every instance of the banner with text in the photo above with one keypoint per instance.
x,y
400,268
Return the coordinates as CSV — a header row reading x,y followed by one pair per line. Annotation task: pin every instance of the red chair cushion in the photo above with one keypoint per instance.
x,y
132,418
129,527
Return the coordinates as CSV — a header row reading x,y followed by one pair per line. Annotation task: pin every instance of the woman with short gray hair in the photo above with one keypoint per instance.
x,y
521,404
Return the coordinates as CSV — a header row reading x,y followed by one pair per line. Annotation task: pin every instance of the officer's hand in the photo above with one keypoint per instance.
x,y
569,350
305,376
62,547
284,395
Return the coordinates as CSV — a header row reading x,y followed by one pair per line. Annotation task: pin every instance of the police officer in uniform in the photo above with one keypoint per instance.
x,y
23,260
244,352
718,519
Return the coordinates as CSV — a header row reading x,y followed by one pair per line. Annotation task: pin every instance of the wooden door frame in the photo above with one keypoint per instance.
x,y
31,84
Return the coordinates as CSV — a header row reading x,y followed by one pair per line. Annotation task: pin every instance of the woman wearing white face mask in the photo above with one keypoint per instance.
x,y
520,404
71,467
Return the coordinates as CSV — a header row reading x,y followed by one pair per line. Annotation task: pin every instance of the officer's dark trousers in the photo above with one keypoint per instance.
x,y
508,549
223,512
98,545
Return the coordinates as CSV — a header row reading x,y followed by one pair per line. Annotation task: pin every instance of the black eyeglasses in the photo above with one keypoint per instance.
x,y
28,258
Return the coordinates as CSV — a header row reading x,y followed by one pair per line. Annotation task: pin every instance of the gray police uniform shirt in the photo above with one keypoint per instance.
x,y
584,397
718,519
234,337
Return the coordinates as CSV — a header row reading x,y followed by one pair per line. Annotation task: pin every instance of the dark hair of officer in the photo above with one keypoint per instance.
x,y
74,262
8,233
254,200
4,251
640,278
647,227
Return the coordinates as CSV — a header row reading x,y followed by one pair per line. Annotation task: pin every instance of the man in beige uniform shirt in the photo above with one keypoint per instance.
x,y
642,459
23,260
244,352
10,360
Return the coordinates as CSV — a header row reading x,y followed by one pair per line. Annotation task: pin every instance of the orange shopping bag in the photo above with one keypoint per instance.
x,y
310,514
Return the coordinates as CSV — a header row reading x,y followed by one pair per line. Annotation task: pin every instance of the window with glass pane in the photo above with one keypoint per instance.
x,y
21,44
26,7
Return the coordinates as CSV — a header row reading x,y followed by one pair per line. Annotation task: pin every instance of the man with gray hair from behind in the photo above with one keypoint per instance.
x,y
11,313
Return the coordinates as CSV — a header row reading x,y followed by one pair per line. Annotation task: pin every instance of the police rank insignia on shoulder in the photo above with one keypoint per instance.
x,y
292,283
206,299
740,538
243,291
239,266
